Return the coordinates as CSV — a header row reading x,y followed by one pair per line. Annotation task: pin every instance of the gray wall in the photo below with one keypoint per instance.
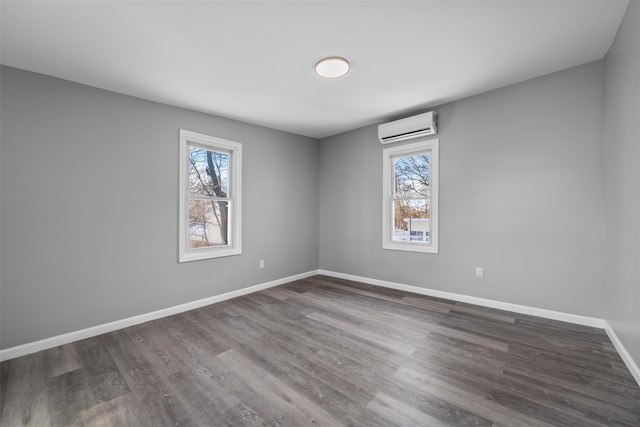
x,y
621,160
520,195
89,201
89,207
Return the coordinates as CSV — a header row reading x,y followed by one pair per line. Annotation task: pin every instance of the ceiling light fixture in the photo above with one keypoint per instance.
x,y
332,67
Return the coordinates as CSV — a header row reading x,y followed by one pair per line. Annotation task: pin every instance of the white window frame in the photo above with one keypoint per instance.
x,y
234,195
388,154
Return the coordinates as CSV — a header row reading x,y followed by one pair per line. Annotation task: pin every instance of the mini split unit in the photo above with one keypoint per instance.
x,y
409,128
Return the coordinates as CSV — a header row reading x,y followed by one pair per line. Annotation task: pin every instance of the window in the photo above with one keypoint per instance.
x,y
410,211
210,197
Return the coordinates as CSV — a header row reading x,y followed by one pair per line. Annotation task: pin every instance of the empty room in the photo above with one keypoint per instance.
x,y
336,213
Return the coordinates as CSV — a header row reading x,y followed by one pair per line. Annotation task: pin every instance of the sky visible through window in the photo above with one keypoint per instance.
x,y
412,194
208,197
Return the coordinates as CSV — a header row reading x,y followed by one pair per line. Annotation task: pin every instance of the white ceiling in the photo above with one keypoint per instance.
x,y
253,60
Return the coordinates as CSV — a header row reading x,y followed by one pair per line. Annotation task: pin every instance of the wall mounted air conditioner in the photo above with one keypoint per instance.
x,y
409,128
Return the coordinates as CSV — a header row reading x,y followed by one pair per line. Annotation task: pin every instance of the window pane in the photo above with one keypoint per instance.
x,y
411,221
412,175
208,172
208,221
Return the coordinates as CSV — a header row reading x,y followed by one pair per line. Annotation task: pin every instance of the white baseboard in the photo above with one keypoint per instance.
x,y
516,308
622,351
33,347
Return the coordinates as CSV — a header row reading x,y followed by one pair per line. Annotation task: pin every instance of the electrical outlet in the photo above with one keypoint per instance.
x,y
479,272
261,263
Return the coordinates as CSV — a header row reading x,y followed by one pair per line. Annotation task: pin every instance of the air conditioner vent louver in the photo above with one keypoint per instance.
x,y
424,124
406,135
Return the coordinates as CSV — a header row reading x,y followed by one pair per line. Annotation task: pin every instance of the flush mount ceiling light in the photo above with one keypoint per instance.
x,y
332,67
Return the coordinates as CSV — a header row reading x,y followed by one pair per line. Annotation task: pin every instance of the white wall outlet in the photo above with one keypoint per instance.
x,y
479,272
261,263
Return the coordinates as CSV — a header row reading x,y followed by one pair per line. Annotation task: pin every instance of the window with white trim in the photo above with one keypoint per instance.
x,y
210,210
410,194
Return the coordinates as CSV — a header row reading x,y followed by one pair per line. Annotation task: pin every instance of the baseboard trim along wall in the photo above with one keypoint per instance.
x,y
622,351
522,309
516,308
22,350
33,347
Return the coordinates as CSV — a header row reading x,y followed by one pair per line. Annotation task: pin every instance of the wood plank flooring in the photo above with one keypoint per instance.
x,y
328,352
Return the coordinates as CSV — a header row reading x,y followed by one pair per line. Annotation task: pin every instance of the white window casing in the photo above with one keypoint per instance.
x,y
424,235
231,200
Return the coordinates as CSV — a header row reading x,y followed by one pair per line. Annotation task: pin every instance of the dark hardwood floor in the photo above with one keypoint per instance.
x,y
326,351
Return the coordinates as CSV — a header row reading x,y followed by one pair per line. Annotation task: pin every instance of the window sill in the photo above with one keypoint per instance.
x,y
209,254
410,247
